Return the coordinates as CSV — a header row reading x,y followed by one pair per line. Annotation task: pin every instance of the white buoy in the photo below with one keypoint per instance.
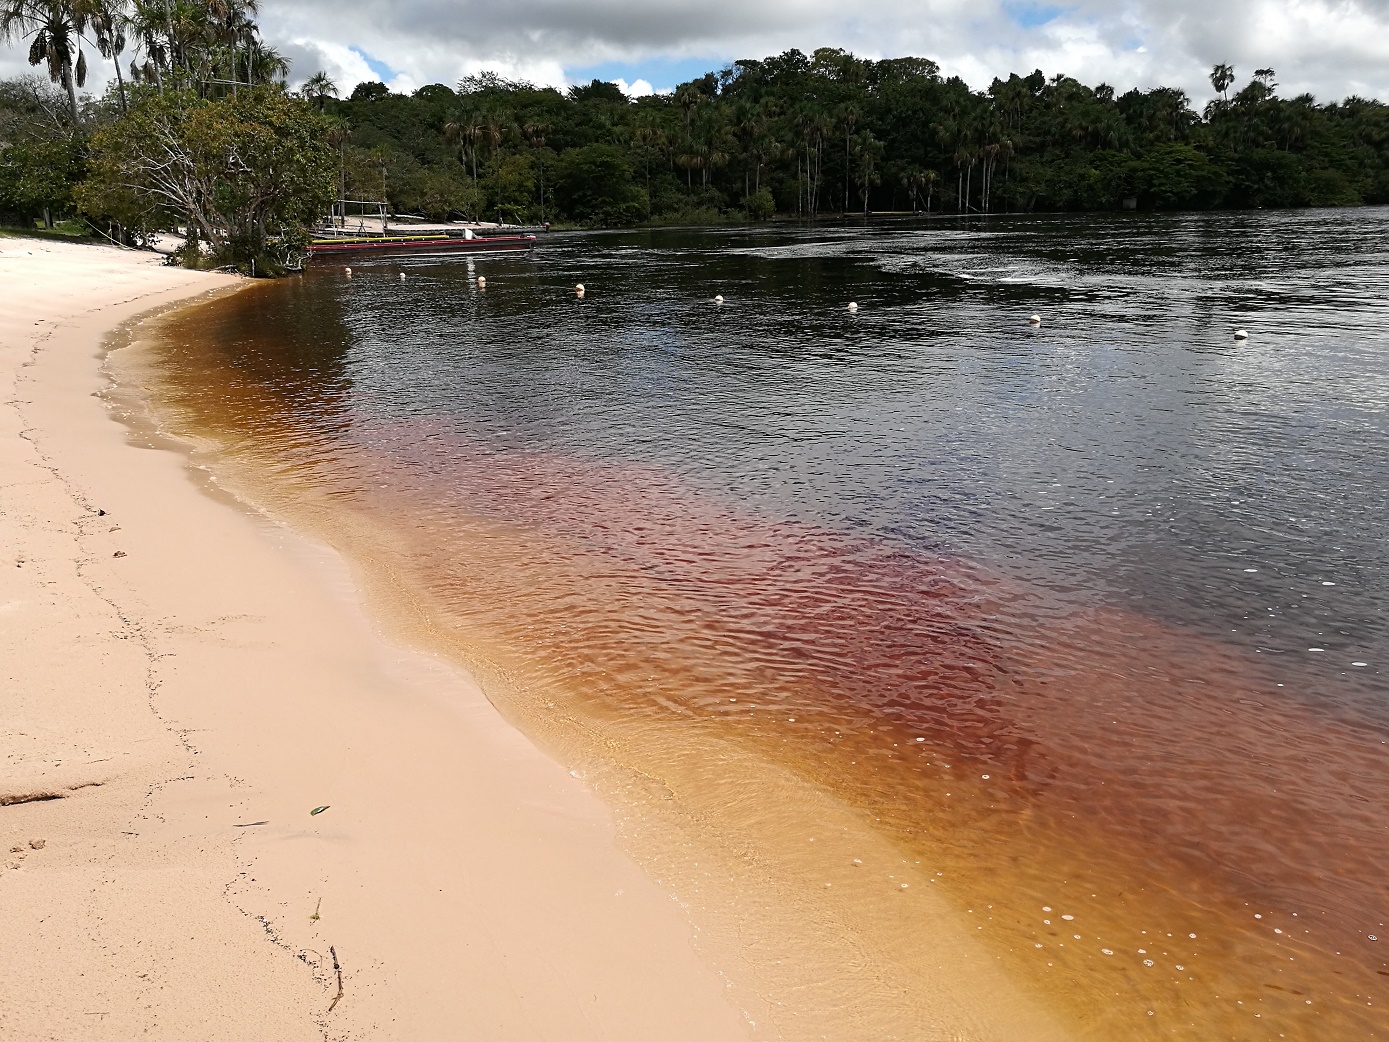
x,y
718,299
1034,320
1240,334
853,306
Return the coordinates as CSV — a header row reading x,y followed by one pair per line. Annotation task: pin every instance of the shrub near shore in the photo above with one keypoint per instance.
x,y
247,173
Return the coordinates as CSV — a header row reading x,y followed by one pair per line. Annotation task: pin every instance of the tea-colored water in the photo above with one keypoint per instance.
x,y
1079,629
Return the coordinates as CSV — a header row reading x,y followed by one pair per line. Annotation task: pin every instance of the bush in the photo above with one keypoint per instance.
x,y
760,206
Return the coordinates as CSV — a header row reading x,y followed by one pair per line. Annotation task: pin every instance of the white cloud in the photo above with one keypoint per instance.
x,y
638,88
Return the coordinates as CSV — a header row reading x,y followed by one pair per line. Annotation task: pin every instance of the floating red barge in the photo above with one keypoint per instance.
x,y
440,244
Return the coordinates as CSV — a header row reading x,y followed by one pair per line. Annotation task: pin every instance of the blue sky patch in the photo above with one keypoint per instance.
x,y
1030,15
375,65
661,73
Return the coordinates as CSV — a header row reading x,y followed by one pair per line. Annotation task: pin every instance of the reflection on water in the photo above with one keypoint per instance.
x,y
1089,620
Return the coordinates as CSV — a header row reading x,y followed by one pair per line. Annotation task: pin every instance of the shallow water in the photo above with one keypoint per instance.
x,y
1086,621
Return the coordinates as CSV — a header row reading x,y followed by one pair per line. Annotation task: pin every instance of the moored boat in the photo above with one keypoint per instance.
x,y
430,244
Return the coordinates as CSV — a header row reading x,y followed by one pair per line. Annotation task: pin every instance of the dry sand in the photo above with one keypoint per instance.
x,y
176,668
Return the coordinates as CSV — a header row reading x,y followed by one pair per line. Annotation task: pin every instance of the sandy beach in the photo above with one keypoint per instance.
x,y
183,682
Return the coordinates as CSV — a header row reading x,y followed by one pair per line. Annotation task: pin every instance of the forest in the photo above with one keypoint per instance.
x,y
795,136
826,134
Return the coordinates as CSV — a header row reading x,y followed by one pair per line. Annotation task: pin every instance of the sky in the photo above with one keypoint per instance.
x,y
1330,48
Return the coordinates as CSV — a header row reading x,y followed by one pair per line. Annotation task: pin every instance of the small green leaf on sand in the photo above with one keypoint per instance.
x,y
319,810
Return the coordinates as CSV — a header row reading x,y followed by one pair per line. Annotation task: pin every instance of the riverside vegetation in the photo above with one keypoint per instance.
x,y
201,132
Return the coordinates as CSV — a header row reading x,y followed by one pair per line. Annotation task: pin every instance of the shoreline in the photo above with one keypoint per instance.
x,y
822,942
180,672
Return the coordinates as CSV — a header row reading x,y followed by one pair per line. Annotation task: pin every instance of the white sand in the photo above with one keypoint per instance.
x,y
221,672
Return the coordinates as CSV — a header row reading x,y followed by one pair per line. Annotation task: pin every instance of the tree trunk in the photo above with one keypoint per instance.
x,y
70,82
120,83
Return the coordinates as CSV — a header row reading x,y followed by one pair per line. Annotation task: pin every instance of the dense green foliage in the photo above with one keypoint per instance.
x,y
828,133
41,158
241,171
205,140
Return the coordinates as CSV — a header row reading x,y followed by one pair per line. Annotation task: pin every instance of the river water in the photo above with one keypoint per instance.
x,y
1081,629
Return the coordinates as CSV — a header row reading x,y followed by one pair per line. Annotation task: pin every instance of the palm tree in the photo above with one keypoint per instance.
x,y
149,25
265,64
320,87
867,149
109,23
849,116
912,179
1221,78
338,136
54,31
647,135
688,97
466,133
494,129
535,135
929,179
230,23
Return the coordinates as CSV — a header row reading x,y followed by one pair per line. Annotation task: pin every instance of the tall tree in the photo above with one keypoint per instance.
x,y
320,87
54,31
109,23
1221,77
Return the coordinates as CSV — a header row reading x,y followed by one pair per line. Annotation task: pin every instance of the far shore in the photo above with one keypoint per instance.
x,y
185,682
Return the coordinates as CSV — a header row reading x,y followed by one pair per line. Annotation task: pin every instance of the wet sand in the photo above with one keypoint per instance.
x,y
185,681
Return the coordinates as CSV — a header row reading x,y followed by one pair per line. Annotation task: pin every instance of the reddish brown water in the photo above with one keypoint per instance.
x,y
1156,831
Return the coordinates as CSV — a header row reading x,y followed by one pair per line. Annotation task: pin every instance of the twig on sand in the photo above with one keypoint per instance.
x,y
338,970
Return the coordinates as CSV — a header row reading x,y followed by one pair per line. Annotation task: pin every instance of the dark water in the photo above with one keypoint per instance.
x,y
1091,616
